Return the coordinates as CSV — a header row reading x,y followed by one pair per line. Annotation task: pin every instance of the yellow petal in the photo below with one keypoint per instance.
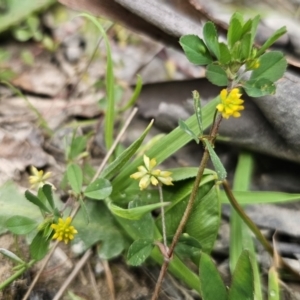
x,y
165,174
223,94
34,171
144,182
154,181
147,162
166,180
137,175
220,107
152,163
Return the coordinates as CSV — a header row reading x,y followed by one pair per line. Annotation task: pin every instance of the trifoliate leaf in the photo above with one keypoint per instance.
x,y
139,251
99,189
20,225
211,38
272,66
212,285
225,56
235,29
242,286
195,50
259,87
216,75
271,40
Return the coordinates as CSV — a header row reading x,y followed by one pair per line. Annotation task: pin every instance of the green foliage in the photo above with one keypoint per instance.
x,y
240,237
183,126
20,224
204,221
272,66
224,62
222,174
212,286
188,247
99,189
271,40
273,285
242,286
109,83
135,94
112,246
198,111
216,75
211,39
139,251
125,216
36,201
125,156
259,87
75,177
134,213
195,50
18,11
11,256
163,149
39,246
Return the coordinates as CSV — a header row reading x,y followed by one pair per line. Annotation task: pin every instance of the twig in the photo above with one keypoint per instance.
x,y
109,278
188,209
33,283
77,268
114,145
93,282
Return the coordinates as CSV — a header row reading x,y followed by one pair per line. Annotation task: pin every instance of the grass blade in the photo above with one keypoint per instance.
x,y
109,80
240,236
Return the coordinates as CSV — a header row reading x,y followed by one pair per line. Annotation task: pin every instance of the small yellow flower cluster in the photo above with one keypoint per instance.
x,y
147,175
231,103
38,178
63,230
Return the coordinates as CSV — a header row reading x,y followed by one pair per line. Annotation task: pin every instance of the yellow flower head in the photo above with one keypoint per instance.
x,y
231,103
63,230
148,175
38,178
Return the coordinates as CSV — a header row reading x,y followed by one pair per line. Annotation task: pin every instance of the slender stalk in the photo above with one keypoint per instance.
x,y
114,145
163,222
188,209
268,247
16,275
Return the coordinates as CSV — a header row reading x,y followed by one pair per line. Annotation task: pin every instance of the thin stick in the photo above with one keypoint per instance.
x,y
77,268
109,279
40,271
93,282
114,145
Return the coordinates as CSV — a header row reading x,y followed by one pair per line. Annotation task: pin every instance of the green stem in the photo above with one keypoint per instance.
x,y
163,222
268,247
15,276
